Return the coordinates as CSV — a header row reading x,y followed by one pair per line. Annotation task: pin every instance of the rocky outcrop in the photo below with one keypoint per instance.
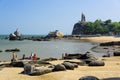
x,y
15,36
68,65
78,28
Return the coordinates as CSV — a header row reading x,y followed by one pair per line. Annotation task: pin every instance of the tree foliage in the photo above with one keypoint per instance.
x,y
102,27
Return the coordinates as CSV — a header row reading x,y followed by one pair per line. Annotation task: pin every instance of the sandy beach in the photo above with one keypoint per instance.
x,y
110,70
101,39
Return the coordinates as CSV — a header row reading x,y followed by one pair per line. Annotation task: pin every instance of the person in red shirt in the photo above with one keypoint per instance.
x,y
34,57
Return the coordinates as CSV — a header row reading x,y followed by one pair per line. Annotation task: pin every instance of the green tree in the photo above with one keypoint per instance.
x,y
89,29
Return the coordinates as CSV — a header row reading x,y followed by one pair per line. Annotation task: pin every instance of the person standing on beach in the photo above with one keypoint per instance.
x,y
31,56
34,57
23,56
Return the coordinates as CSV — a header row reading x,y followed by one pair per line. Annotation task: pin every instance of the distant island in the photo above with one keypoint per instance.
x,y
97,27
51,35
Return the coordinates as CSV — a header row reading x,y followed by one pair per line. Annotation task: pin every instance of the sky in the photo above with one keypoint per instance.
x,y
42,16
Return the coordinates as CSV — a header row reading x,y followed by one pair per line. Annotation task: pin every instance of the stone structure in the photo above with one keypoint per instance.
x,y
78,28
55,34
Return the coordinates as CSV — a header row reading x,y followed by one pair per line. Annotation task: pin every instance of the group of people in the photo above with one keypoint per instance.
x,y
33,57
15,57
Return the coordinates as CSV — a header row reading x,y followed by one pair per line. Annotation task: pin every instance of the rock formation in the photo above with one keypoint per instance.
x,y
15,36
78,28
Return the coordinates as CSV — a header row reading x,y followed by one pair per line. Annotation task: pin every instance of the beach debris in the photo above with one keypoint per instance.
x,y
97,63
59,67
89,78
12,50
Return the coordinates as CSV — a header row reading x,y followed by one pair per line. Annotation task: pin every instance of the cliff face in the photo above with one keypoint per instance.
x,y
78,28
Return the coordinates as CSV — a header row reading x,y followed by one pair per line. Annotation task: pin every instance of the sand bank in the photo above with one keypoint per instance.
x,y
111,69
101,39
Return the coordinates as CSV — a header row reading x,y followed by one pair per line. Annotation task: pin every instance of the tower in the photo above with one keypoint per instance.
x,y
83,18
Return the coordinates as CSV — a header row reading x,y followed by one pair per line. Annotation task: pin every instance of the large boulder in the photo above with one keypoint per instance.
x,y
68,65
97,63
39,63
88,55
89,78
81,63
59,67
116,53
87,61
40,71
28,69
73,56
17,64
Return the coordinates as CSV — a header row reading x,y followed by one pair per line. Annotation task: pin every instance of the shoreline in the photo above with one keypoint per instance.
x,y
101,39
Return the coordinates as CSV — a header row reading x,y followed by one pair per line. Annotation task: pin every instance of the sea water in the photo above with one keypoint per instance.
x,y
44,49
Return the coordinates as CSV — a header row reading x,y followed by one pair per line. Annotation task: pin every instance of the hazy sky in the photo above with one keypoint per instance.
x,y
42,16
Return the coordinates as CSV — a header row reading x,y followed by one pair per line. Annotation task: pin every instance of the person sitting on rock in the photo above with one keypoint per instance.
x,y
15,58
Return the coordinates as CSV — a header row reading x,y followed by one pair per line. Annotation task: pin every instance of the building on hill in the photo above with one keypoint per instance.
x,y
55,34
78,28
